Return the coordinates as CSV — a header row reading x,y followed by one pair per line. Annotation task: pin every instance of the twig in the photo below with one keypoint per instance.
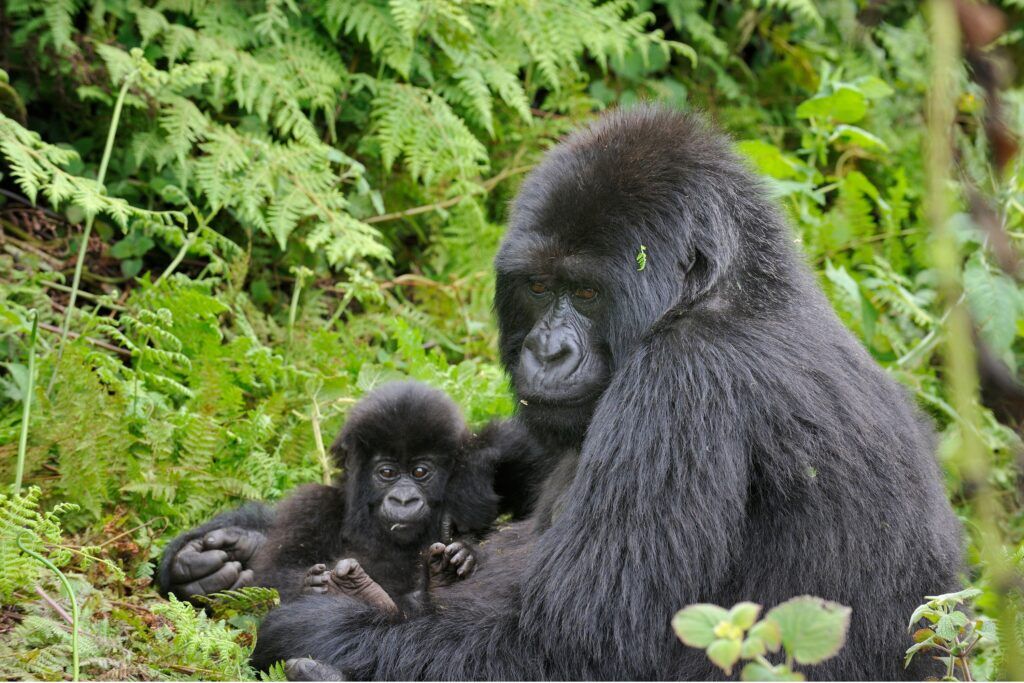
x,y
95,342
488,185
53,603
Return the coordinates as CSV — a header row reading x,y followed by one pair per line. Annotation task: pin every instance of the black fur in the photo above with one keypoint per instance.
x,y
746,446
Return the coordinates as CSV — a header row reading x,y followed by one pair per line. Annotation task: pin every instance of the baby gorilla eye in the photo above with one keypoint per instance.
x,y
585,293
538,287
420,472
387,472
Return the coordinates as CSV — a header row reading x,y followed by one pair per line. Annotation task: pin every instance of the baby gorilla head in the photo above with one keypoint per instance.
x,y
398,448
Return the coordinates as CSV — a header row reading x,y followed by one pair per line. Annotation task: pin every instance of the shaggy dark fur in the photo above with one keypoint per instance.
x,y
408,423
743,445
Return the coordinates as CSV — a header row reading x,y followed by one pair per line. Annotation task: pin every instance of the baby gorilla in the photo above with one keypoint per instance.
x,y
413,474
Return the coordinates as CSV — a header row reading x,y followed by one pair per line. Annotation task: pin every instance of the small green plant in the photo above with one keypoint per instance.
x,y
808,630
948,631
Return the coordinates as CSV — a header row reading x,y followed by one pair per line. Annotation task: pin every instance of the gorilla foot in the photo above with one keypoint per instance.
x,y
306,669
447,564
317,580
349,578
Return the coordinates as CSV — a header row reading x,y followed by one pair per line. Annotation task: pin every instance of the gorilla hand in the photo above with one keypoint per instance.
x,y
217,561
305,669
447,564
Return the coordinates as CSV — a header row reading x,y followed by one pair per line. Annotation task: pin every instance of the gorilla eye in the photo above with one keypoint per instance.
x,y
538,287
585,293
420,472
387,472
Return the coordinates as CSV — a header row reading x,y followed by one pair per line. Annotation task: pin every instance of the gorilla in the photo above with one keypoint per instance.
x,y
716,436
413,474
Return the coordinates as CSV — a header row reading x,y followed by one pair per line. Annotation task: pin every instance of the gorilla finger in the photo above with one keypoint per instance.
x,y
222,579
436,548
317,569
321,579
461,556
223,537
452,549
467,567
246,578
192,564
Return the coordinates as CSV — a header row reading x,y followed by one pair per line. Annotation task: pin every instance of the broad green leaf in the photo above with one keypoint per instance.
x,y
768,159
873,87
768,632
744,614
724,653
812,629
845,105
852,135
755,671
695,625
753,647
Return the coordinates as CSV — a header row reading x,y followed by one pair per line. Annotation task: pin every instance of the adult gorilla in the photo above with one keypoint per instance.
x,y
725,439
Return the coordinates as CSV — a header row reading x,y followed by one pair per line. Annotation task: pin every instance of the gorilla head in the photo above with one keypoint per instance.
x,y
398,449
571,300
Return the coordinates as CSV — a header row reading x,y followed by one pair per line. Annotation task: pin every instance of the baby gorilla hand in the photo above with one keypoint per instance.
x,y
349,578
317,580
447,564
217,561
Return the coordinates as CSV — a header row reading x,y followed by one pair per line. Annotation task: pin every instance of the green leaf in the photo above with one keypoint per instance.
x,y
873,87
845,105
813,629
695,625
744,614
755,671
768,159
769,633
996,303
724,653
852,135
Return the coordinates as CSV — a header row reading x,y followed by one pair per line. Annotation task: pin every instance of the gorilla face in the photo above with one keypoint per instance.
x,y
404,492
559,367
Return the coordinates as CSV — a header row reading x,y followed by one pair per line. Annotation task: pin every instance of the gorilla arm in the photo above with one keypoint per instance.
x,y
645,527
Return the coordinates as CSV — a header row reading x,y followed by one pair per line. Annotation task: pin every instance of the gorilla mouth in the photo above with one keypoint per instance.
x,y
558,400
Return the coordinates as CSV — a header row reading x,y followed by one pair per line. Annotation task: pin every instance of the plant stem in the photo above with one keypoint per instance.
x,y
178,258
71,597
318,438
960,357
26,404
84,246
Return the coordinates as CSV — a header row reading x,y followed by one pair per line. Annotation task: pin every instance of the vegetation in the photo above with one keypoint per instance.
x,y
222,222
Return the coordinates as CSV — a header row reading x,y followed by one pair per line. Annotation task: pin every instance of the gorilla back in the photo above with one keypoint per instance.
x,y
730,440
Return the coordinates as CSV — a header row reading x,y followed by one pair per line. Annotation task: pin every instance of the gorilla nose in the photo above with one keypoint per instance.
x,y
405,499
550,350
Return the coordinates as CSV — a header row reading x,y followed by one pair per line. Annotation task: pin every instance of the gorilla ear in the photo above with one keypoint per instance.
x,y
697,275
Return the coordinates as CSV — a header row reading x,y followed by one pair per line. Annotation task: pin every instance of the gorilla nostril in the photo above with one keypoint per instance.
x,y
405,499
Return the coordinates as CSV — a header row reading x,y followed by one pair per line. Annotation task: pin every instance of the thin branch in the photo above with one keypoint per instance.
x,y
53,604
95,342
488,185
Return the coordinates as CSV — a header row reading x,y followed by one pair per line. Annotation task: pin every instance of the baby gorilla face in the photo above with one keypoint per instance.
x,y
407,492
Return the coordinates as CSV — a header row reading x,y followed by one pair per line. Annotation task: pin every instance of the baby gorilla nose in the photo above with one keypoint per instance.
x,y
404,504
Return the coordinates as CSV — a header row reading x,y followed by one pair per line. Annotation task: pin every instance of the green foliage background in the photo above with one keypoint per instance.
x,y
303,200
